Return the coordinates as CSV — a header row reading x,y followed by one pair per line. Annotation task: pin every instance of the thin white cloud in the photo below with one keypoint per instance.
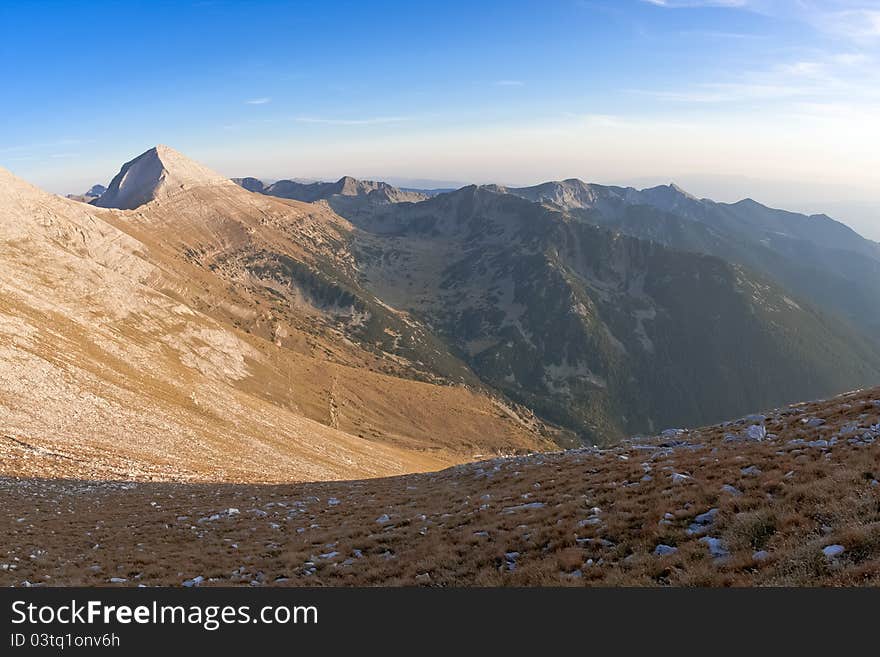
x,y
825,77
858,24
855,20
378,120
850,59
687,4
717,34
258,101
804,68
727,93
22,158
602,120
67,141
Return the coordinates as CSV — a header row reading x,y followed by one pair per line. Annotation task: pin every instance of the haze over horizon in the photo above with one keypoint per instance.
x,y
724,97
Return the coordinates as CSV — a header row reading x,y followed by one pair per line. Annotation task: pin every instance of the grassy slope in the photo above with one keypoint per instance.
x,y
583,517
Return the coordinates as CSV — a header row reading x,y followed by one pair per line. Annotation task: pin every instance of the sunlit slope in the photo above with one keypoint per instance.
x,y
109,371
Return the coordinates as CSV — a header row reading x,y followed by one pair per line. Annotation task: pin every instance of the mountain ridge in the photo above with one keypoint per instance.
x,y
347,186
820,259
582,312
517,296
105,324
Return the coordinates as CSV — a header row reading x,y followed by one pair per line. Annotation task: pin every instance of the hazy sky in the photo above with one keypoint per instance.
x,y
774,99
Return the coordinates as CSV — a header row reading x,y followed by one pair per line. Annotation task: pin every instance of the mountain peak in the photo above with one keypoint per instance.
x,y
670,190
250,183
153,174
349,186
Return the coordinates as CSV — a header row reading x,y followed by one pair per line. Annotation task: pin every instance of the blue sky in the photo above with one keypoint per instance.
x,y
774,99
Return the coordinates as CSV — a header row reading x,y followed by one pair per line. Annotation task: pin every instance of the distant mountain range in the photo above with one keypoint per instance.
x,y
603,311
599,332
375,192
819,259
94,192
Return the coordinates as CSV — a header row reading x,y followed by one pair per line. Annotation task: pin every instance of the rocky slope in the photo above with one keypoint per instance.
x,y
817,258
473,322
601,335
787,497
604,334
106,336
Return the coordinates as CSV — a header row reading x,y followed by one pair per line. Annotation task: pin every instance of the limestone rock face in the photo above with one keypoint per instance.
x,y
157,173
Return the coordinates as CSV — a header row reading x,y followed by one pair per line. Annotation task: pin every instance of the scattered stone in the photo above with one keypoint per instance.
x,y
756,432
523,507
706,518
702,522
664,550
716,547
833,551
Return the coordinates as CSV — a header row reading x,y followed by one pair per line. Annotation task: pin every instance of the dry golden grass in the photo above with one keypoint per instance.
x,y
121,359
577,518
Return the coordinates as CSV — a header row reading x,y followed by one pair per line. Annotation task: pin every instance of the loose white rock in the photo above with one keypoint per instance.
x,y
833,551
716,547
